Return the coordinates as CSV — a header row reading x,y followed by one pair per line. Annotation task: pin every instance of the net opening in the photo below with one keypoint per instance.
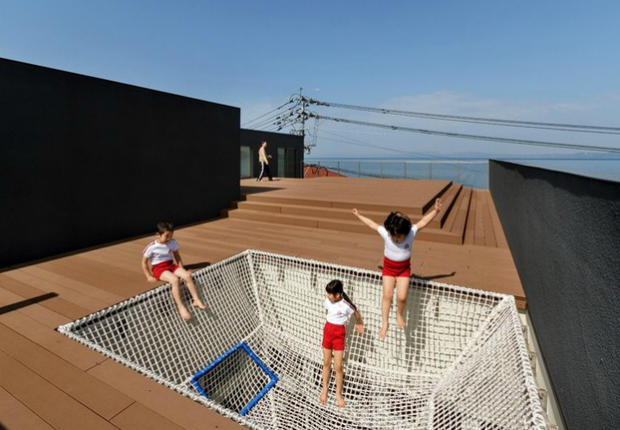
x,y
233,377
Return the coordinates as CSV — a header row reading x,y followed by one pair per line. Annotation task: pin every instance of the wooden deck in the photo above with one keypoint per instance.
x,y
48,381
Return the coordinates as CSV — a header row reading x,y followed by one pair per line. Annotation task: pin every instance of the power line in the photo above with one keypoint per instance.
x,y
487,121
471,136
269,120
271,111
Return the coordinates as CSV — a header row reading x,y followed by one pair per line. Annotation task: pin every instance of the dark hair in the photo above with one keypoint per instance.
x,y
164,226
335,287
397,223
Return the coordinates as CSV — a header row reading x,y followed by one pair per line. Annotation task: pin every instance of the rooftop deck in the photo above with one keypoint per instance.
x,y
48,381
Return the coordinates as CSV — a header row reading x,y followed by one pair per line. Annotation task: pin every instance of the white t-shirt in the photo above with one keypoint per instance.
x,y
398,251
158,252
339,312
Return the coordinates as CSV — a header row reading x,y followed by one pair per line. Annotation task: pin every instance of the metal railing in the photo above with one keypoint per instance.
x,y
472,173
469,172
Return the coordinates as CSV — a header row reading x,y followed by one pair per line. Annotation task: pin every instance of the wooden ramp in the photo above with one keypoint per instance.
x,y
48,381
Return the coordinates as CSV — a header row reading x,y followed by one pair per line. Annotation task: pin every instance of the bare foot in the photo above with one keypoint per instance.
x,y
184,314
401,321
323,398
383,332
198,304
341,403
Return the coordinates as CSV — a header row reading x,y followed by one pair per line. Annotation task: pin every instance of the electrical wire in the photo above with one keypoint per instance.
x,y
486,121
269,120
471,136
271,111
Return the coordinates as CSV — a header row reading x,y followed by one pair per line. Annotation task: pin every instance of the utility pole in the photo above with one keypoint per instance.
x,y
302,101
296,119
303,115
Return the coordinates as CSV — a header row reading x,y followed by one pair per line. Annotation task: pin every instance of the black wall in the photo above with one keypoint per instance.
x,y
86,161
564,235
253,139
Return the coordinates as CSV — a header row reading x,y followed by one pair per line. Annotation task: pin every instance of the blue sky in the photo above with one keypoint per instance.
x,y
530,60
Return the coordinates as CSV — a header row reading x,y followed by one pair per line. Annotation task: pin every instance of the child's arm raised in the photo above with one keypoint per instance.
x,y
370,223
429,216
359,324
147,270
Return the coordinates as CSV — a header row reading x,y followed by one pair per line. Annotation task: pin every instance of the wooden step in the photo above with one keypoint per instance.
x,y
316,212
429,234
448,201
283,207
470,224
460,214
448,190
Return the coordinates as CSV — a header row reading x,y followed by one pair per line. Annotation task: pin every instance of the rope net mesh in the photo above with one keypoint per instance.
x,y
459,364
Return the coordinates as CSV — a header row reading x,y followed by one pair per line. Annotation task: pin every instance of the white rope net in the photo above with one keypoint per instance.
x,y
459,364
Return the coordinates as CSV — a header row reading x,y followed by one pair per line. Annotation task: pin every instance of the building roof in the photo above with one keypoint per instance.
x,y
49,381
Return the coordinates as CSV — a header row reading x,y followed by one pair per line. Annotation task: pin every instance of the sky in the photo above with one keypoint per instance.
x,y
527,60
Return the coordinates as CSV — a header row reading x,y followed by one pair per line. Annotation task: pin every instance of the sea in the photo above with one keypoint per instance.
x,y
472,172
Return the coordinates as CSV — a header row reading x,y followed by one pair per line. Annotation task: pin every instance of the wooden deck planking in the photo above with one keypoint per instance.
x,y
43,315
479,220
80,293
489,229
139,417
178,409
497,225
95,279
56,304
92,393
49,402
37,332
16,415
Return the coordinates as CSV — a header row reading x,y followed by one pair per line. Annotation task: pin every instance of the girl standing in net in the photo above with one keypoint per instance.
x,y
339,310
398,234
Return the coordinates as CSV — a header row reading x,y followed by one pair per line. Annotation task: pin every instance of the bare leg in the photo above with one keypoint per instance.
x,y
168,276
402,289
386,303
339,377
327,370
187,277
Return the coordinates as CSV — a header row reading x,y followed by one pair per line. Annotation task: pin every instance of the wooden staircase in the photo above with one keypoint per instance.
x,y
466,216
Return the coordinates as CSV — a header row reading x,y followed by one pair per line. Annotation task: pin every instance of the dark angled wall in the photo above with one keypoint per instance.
x,y
86,161
564,235
253,139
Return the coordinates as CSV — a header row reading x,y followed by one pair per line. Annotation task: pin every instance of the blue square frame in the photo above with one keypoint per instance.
x,y
273,379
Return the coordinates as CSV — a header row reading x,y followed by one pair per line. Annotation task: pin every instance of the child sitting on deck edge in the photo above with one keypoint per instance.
x,y
161,254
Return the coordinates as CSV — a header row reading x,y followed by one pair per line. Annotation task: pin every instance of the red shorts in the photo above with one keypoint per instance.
x,y
160,268
333,336
397,269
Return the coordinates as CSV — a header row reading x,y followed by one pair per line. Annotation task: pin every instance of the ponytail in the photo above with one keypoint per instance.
x,y
348,300
335,287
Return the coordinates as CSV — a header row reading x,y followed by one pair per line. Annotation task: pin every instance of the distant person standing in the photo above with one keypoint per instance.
x,y
264,162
